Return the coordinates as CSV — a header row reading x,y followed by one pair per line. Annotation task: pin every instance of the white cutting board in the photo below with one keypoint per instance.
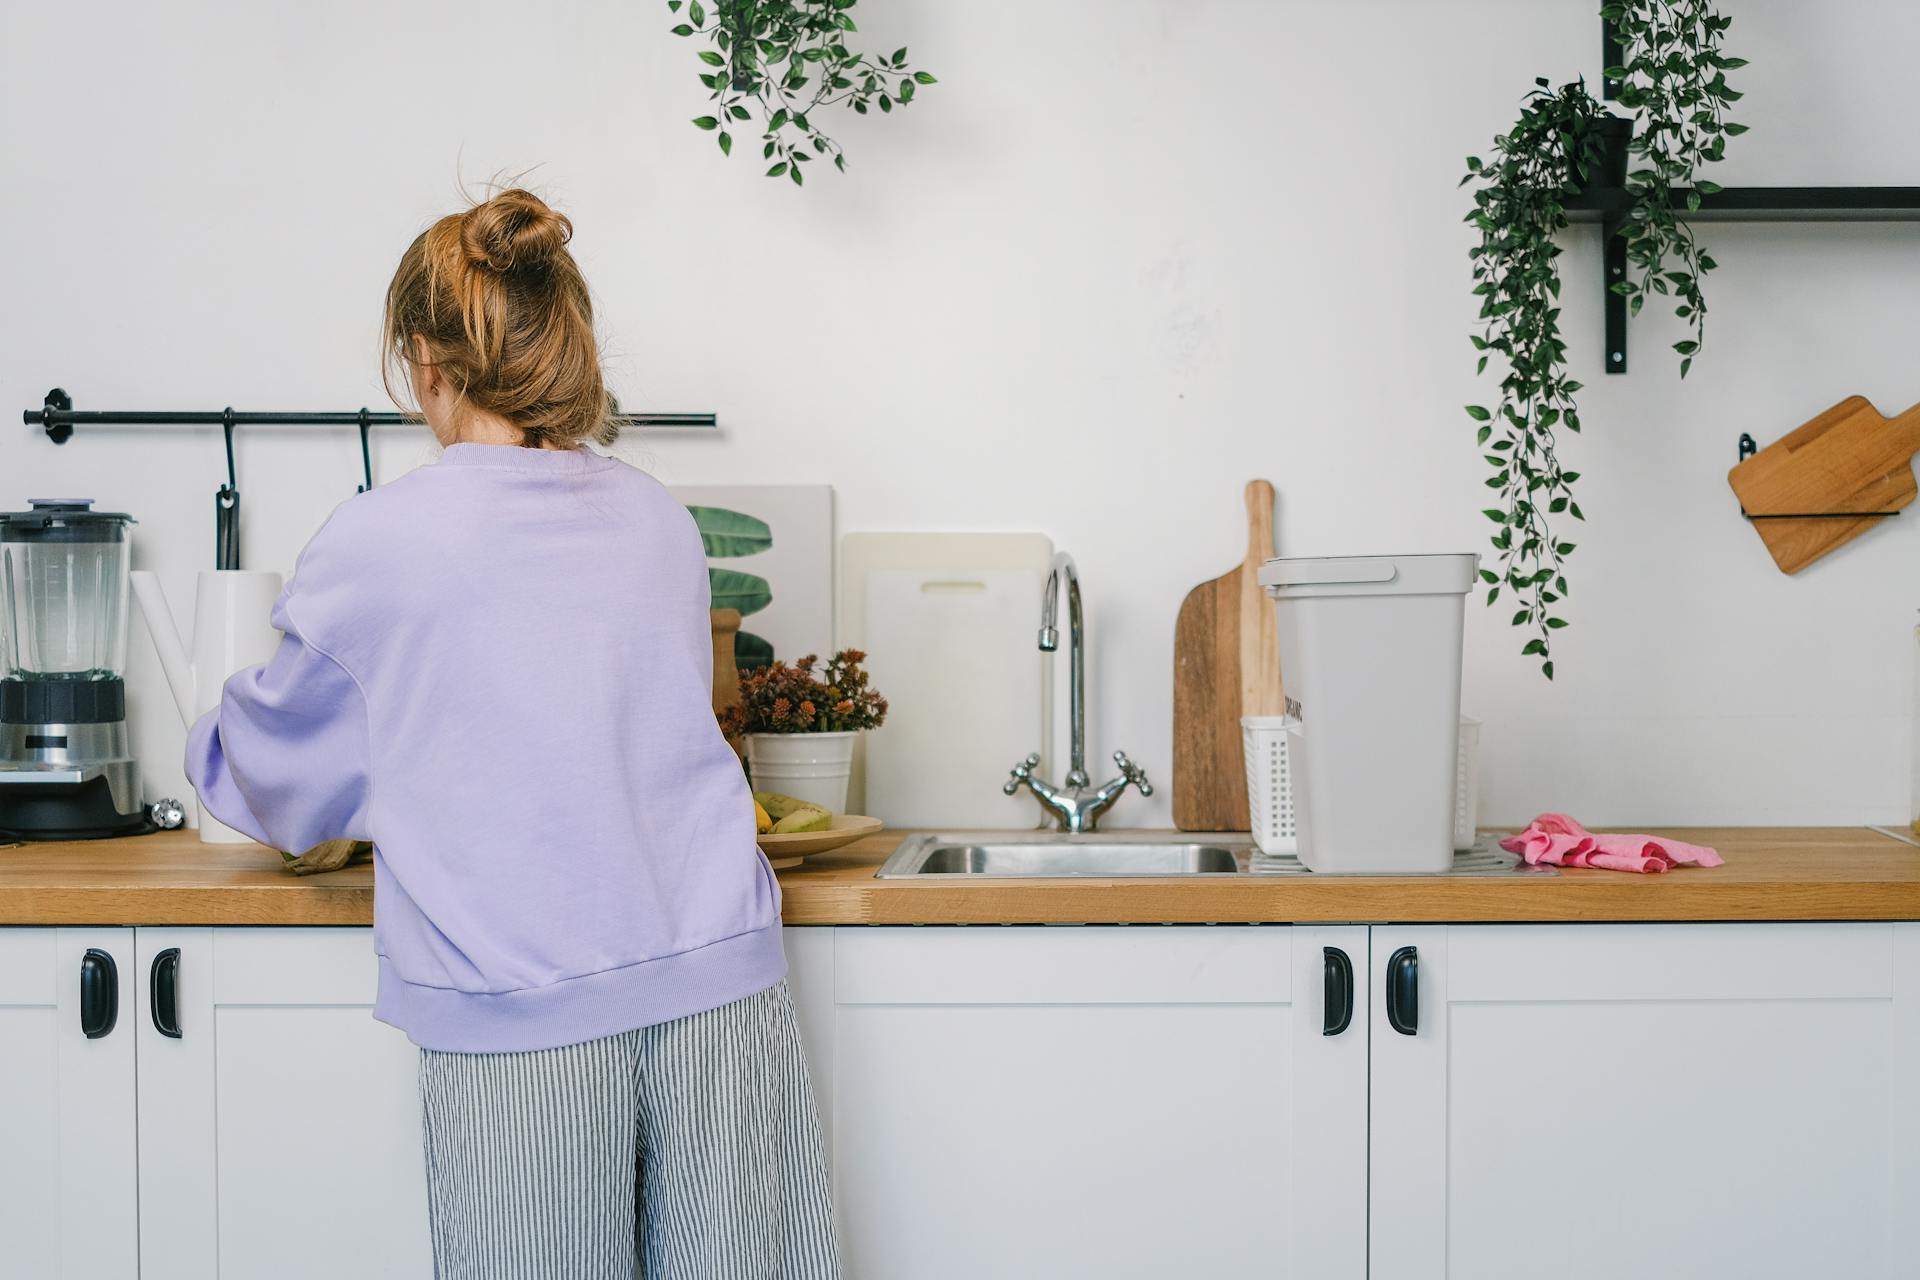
x,y
950,624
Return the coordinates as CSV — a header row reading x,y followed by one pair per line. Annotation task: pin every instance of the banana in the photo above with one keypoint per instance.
x,y
762,820
778,805
806,818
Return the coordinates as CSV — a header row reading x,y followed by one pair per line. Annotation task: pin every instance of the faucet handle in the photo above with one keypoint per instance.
x,y
1133,773
1021,772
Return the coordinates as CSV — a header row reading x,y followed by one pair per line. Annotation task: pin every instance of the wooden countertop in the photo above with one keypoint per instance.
x,y
1772,873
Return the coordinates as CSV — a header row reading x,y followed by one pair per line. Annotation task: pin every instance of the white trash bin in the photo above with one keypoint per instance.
x,y
1370,647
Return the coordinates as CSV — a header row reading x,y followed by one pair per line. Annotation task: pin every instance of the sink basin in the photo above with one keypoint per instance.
x,y
1037,854
1044,854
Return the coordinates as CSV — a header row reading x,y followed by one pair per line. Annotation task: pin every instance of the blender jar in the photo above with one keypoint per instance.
x,y
63,593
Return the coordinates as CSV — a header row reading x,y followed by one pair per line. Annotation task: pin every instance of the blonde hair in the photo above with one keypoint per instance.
x,y
506,317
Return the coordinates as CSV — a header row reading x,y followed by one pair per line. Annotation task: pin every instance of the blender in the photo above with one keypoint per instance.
x,y
66,767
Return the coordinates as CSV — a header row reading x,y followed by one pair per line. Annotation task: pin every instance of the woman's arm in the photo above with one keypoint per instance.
x,y
285,757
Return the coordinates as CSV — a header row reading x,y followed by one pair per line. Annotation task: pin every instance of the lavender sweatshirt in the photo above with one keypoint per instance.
x,y
498,669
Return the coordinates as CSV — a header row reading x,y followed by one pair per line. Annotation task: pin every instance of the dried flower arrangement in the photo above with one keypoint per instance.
x,y
789,698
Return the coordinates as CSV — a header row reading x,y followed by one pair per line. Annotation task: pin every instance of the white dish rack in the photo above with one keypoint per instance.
x,y
1270,788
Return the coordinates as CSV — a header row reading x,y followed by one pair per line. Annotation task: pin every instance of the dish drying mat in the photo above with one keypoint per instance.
x,y
1484,859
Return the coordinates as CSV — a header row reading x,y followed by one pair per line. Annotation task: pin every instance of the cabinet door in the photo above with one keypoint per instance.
x,y
1142,1101
1648,1101
280,1132
68,1196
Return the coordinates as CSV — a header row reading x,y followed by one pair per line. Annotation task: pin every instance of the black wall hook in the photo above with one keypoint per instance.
x,y
366,453
227,424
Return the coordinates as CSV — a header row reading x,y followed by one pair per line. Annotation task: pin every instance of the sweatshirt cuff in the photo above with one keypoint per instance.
x,y
209,776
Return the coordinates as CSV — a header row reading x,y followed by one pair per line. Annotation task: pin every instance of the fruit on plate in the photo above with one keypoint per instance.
x,y
805,818
779,805
762,820
789,815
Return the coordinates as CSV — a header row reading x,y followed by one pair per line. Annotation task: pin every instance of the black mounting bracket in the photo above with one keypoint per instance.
x,y
1611,55
59,402
1613,266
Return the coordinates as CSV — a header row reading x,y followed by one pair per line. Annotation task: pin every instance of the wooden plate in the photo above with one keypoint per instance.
x,y
791,850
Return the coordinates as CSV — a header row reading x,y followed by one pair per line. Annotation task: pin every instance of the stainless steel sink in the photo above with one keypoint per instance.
x,y
1050,854
1134,853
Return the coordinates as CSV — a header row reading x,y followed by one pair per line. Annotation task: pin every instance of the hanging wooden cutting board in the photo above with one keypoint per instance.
x,y
1226,664
1848,459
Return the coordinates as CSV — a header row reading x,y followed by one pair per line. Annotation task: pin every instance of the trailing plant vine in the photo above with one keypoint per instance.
x,y
1674,74
1519,205
781,62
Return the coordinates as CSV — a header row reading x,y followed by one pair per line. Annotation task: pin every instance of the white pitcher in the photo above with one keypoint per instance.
x,y
232,628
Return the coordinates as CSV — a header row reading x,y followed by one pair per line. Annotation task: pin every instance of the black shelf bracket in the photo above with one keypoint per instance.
x,y
1611,55
1610,207
1613,266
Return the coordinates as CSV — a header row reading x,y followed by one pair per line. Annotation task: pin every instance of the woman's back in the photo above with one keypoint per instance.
x,y
498,669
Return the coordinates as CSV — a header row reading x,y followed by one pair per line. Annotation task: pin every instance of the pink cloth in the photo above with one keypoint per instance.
x,y
1556,838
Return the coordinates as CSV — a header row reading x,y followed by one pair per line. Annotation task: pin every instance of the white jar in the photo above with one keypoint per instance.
x,y
807,766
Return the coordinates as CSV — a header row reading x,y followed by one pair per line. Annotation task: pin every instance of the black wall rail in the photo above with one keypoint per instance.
x,y
58,417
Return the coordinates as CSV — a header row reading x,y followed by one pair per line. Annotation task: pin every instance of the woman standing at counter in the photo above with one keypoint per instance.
x,y
497,669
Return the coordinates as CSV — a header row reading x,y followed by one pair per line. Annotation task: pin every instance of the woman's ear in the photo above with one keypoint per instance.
x,y
426,375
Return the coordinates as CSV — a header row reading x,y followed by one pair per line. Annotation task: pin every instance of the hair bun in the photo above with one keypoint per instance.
x,y
514,229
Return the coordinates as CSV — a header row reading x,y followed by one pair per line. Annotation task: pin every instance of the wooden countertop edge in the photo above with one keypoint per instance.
x,y
1368,901
264,905
1795,874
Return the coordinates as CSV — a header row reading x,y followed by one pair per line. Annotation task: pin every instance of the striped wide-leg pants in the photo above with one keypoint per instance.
x,y
691,1149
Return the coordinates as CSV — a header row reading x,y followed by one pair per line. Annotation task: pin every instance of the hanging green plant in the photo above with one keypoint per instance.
x,y
1519,206
1674,74
780,62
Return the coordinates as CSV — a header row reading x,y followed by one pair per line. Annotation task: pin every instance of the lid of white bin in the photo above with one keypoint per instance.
x,y
1370,575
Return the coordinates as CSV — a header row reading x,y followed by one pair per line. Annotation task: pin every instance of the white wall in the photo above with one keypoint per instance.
x,y
1125,256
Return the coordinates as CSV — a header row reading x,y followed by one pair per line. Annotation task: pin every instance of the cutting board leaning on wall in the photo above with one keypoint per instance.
x,y
1226,664
950,623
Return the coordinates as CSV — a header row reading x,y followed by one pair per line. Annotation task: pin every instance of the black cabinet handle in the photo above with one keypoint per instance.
x,y
1403,991
99,993
1338,1009
164,990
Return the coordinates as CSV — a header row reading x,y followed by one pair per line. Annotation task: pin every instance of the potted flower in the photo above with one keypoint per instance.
x,y
799,725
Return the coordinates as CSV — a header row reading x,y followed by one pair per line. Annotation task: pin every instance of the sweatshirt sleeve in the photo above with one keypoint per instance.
x,y
285,756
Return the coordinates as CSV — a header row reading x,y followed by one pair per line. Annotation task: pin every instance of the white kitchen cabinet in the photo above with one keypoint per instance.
x,y
1710,1100
1136,1101
280,1132
68,1190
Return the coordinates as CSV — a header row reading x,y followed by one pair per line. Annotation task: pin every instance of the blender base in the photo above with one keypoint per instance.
x,y
66,811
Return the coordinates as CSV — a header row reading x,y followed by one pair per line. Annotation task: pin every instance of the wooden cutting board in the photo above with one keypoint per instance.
x,y
1226,664
1848,459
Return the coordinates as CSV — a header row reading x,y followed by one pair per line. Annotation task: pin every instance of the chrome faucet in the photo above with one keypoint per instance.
x,y
1073,807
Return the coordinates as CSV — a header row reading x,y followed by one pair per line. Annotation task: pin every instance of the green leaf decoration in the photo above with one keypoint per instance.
x,y
1672,95
751,651
727,533
731,589
782,64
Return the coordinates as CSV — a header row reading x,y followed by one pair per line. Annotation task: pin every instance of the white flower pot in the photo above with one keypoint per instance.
x,y
807,766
